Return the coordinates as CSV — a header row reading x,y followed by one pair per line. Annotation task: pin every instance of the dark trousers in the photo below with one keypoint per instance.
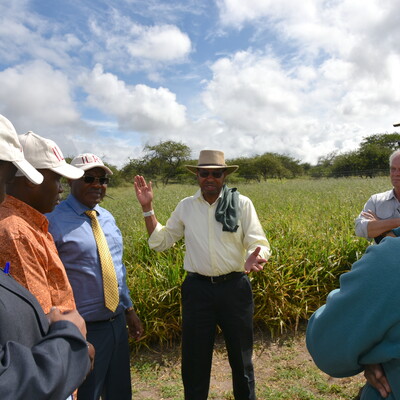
x,y
204,306
111,377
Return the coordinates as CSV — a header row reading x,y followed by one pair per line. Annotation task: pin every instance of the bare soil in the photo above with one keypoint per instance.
x,y
284,370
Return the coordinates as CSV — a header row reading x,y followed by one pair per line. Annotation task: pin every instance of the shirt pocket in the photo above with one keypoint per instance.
x,y
387,212
231,237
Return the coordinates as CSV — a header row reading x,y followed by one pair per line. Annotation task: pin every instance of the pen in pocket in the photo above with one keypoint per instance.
x,y
6,268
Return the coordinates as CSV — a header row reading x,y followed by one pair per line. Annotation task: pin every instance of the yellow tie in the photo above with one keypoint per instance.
x,y
110,284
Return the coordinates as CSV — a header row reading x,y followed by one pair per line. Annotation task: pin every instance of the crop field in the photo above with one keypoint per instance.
x,y
310,226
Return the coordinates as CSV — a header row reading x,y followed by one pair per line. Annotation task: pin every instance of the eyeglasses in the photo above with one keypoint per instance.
x,y
203,173
91,179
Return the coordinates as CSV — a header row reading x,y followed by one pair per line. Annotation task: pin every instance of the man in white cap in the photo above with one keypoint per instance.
x,y
224,242
25,241
41,357
90,245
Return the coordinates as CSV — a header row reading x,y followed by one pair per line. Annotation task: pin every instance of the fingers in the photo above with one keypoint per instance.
x,y
375,376
72,316
256,252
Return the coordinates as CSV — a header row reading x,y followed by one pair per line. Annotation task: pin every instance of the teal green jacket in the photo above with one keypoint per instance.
x,y
360,322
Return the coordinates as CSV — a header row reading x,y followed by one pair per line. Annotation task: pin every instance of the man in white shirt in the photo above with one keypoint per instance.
x,y
224,243
381,212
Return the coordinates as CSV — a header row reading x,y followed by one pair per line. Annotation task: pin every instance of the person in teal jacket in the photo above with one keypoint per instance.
x,y
358,329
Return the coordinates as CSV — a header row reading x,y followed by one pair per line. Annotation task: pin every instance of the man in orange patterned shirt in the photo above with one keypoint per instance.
x,y
24,238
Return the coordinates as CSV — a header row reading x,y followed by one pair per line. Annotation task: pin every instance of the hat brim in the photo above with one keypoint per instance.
x,y
29,171
92,166
68,171
229,168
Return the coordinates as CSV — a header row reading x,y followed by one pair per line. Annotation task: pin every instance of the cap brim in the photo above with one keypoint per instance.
x,y
87,167
29,171
68,171
229,168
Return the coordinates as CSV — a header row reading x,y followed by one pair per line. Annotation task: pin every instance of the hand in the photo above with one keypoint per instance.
x,y
72,316
144,191
92,352
370,215
254,261
134,324
375,376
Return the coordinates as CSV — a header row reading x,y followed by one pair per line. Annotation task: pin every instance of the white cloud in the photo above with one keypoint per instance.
x,y
264,106
36,97
320,75
26,35
138,107
125,44
251,91
162,43
37,92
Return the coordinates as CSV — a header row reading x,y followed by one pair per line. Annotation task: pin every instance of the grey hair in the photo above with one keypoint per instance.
x,y
393,155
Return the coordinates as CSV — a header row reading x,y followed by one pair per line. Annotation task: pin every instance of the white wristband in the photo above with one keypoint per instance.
x,y
148,213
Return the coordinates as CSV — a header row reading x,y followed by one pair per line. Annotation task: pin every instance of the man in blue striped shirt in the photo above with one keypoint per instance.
x,y
76,244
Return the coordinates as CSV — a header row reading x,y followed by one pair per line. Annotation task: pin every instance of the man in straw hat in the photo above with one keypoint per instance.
x,y
41,357
224,243
25,240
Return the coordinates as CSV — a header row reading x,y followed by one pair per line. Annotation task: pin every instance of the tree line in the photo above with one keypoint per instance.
x,y
164,163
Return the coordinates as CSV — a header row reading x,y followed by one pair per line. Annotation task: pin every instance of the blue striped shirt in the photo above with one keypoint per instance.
x,y
72,232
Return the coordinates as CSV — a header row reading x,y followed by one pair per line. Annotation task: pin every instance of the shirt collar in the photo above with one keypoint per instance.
x,y
80,208
391,195
28,213
199,196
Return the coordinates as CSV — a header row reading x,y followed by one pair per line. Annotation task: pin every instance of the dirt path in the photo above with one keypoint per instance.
x,y
284,370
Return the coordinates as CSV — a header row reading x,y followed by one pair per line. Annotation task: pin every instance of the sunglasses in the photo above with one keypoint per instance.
x,y
216,174
91,179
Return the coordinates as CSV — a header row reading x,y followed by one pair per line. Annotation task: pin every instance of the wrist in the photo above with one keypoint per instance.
x,y
148,213
129,309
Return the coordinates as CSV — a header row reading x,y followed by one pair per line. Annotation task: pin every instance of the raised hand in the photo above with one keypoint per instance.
x,y
144,191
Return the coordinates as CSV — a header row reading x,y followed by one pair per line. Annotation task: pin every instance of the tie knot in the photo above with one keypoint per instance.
x,y
91,213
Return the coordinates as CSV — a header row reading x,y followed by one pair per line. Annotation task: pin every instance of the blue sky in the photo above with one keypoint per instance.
x,y
246,77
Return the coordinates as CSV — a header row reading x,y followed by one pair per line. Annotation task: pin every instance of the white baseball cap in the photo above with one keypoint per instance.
x,y
43,153
88,161
11,150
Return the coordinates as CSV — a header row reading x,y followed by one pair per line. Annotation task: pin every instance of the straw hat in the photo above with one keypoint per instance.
x,y
212,159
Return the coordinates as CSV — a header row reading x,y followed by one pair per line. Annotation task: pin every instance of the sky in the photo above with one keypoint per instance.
x,y
303,79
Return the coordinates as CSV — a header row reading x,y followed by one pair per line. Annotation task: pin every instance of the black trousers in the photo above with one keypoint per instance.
x,y
205,305
111,377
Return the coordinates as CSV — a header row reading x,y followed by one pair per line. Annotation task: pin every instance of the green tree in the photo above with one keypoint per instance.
x,y
116,178
247,170
347,164
134,167
269,166
166,159
290,164
390,141
324,165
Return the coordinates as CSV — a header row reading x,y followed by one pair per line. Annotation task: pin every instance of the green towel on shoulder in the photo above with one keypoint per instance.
x,y
227,211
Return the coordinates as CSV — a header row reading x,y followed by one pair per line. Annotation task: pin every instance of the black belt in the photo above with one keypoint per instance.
x,y
216,279
113,318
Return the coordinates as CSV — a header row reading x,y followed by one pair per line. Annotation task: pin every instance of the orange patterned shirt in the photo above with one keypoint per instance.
x,y
34,262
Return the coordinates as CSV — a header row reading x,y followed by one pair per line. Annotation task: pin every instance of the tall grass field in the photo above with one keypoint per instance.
x,y
310,227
